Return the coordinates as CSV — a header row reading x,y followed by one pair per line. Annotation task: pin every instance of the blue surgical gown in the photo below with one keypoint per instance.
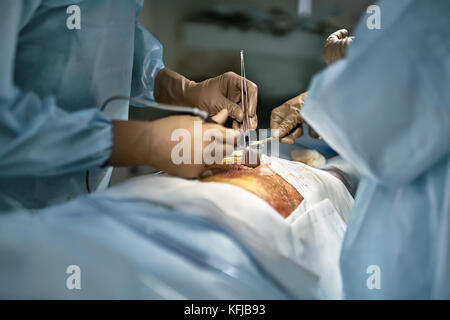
x,y
386,109
126,249
53,80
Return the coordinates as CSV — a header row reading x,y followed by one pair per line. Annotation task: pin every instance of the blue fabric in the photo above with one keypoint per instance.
x,y
125,250
52,82
385,108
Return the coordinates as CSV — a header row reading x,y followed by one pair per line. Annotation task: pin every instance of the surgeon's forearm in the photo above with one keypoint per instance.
x,y
131,141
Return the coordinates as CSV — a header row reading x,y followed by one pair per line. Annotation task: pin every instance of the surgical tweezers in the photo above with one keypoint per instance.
x,y
244,100
250,157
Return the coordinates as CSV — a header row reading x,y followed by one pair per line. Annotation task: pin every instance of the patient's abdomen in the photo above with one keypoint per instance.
x,y
262,182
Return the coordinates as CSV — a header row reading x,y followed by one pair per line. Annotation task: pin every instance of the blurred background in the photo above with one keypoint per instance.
x,y
283,42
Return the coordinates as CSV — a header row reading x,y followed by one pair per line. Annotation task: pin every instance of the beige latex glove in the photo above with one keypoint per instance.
x,y
149,143
212,95
336,46
286,118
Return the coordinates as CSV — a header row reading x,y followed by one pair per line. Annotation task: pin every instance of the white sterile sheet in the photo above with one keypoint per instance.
x,y
300,252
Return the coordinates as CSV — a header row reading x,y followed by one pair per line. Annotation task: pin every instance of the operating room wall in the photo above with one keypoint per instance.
x,y
163,17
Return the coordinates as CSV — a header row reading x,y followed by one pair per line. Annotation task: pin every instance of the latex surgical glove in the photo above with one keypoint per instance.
x,y
336,45
212,95
286,118
152,143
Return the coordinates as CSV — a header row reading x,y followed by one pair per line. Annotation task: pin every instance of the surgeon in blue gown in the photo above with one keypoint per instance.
x,y
385,108
53,80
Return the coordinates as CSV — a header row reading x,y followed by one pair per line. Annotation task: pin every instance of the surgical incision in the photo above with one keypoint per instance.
x,y
262,182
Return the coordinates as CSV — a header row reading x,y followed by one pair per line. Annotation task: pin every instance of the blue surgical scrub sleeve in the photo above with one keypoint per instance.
x,y
148,61
385,106
38,138
53,79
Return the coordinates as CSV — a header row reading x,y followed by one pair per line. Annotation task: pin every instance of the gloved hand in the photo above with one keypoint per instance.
x,y
212,95
286,118
150,143
336,45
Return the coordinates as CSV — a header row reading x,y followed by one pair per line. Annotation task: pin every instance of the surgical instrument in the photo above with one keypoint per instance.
x,y
250,157
263,141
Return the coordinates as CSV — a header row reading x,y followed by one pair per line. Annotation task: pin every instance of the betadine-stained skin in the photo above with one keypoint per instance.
x,y
262,182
